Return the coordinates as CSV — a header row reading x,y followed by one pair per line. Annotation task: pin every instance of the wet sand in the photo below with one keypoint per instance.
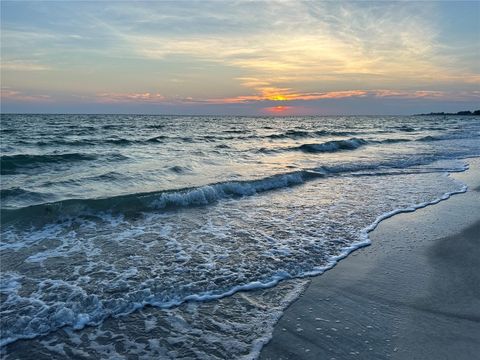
x,y
413,294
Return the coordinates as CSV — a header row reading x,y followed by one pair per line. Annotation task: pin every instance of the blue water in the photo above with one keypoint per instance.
x,y
112,223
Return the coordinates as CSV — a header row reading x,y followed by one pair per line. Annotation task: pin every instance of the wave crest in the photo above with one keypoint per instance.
x,y
11,164
332,146
135,203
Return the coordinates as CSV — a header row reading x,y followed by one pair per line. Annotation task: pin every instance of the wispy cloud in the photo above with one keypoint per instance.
x,y
20,65
311,37
14,95
236,52
286,96
310,45
130,97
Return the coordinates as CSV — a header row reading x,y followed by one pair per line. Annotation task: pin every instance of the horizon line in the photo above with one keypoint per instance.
x,y
224,115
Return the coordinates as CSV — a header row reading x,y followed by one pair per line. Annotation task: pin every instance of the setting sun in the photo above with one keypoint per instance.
x,y
278,98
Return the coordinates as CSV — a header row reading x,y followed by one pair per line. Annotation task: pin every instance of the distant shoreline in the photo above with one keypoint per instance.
x,y
462,113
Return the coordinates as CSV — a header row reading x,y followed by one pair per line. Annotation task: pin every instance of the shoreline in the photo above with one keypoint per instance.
x,y
396,298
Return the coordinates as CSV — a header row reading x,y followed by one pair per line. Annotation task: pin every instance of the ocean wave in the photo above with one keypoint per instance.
x,y
289,134
120,141
406,128
332,146
108,176
391,141
73,306
243,135
325,147
11,164
234,131
294,134
180,169
18,192
112,126
230,135
454,136
82,142
132,204
16,164
431,138
155,126
158,138
138,202
222,146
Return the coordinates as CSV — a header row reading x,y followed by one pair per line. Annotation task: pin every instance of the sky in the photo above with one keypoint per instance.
x,y
240,57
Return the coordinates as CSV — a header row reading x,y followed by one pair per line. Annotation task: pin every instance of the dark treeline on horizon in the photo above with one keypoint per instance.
x,y
466,112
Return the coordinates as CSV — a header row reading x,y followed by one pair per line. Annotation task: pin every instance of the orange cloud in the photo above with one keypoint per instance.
x,y
276,94
329,95
286,94
408,94
20,96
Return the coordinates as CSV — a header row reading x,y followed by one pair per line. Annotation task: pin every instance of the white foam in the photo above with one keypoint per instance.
x,y
212,193
223,249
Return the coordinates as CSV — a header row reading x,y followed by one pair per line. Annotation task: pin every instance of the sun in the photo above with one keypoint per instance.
x,y
277,98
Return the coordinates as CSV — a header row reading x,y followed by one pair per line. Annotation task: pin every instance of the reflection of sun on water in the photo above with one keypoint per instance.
x,y
278,109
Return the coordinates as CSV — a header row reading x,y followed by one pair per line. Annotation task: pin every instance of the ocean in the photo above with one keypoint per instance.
x,y
135,236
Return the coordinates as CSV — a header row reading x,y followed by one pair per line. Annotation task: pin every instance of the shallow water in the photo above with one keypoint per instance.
x,y
138,225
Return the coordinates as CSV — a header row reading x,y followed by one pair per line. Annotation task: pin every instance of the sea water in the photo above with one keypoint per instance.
x,y
133,236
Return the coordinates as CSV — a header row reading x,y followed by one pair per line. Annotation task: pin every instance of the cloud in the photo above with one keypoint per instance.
x,y
13,95
284,95
236,52
287,94
409,94
319,46
20,65
130,97
311,39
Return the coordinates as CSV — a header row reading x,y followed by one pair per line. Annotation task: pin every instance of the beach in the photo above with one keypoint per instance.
x,y
239,180
413,294
189,236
